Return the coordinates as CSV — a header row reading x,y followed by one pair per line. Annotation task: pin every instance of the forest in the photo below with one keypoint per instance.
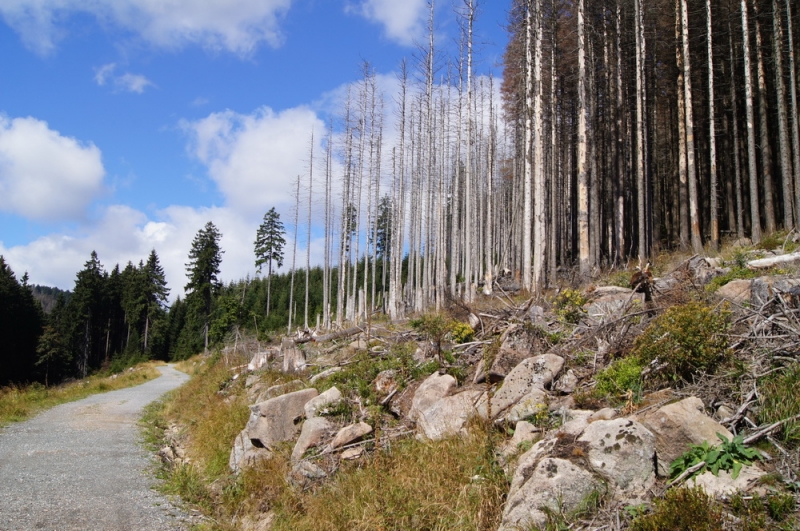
x,y
619,129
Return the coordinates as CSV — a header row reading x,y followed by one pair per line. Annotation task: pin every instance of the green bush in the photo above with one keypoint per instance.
x,y
619,378
461,332
568,306
689,339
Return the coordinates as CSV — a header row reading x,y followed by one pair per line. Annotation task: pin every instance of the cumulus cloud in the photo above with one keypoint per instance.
x,y
237,26
255,158
126,82
44,175
403,22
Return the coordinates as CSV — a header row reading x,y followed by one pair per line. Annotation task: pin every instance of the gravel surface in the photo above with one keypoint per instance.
x,y
81,466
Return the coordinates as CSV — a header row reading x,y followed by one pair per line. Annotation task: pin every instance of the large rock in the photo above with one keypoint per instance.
x,y
449,415
434,388
737,291
319,404
245,454
532,373
725,485
315,430
509,355
278,419
350,434
679,425
385,382
554,483
260,392
622,452
530,405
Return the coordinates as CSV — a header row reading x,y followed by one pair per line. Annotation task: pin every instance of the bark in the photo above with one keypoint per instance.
x,y
755,221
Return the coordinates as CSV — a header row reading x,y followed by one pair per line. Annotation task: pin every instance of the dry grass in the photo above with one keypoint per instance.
x,y
446,485
20,403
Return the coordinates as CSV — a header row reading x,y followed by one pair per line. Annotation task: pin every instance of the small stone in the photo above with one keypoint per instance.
x,y
350,434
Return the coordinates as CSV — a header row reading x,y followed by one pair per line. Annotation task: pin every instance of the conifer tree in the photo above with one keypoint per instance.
x,y
205,258
269,245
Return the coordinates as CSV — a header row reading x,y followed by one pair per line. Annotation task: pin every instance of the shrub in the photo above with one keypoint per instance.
x,y
682,509
619,378
568,306
688,339
461,332
435,327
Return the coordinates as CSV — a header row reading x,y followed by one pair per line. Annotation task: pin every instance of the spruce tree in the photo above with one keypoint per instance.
x,y
269,246
205,258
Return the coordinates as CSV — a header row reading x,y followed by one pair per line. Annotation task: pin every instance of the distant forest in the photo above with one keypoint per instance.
x,y
620,128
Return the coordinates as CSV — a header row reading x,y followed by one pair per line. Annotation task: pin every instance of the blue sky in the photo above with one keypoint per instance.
x,y
126,125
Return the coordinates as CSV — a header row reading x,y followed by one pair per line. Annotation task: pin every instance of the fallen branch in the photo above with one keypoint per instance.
x,y
765,263
760,434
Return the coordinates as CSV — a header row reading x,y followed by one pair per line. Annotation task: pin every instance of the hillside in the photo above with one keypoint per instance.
x,y
593,406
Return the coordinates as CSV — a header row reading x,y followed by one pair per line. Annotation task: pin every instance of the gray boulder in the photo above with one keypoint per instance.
x,y
434,388
679,425
315,430
448,416
320,403
278,419
532,373
554,483
622,452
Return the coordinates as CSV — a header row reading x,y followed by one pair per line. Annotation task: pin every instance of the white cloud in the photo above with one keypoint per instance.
x,y
44,175
126,82
403,21
237,26
102,74
133,83
255,158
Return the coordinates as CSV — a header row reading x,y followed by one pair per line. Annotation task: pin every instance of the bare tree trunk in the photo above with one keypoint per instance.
x,y
583,181
783,123
644,251
308,227
766,149
712,140
539,223
527,173
691,171
755,229
737,170
294,255
794,113
683,182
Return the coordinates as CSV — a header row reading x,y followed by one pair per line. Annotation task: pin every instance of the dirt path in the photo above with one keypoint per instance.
x,y
80,466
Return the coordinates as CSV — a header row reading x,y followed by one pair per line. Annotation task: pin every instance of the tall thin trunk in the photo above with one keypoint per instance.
x,y
683,182
308,227
691,171
712,140
527,175
583,181
794,113
766,148
755,226
783,122
644,251
539,222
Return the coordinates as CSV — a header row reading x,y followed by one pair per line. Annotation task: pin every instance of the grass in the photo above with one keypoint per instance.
x,y
18,403
445,485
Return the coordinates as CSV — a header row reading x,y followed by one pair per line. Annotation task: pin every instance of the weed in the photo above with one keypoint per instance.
x,y
729,456
682,509
687,339
779,506
435,327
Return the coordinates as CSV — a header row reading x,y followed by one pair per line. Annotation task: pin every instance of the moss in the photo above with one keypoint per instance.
x,y
682,509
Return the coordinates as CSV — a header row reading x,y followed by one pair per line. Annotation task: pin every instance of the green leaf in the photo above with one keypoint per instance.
x,y
737,467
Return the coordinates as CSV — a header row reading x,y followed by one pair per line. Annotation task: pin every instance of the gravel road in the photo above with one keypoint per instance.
x,y
80,466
